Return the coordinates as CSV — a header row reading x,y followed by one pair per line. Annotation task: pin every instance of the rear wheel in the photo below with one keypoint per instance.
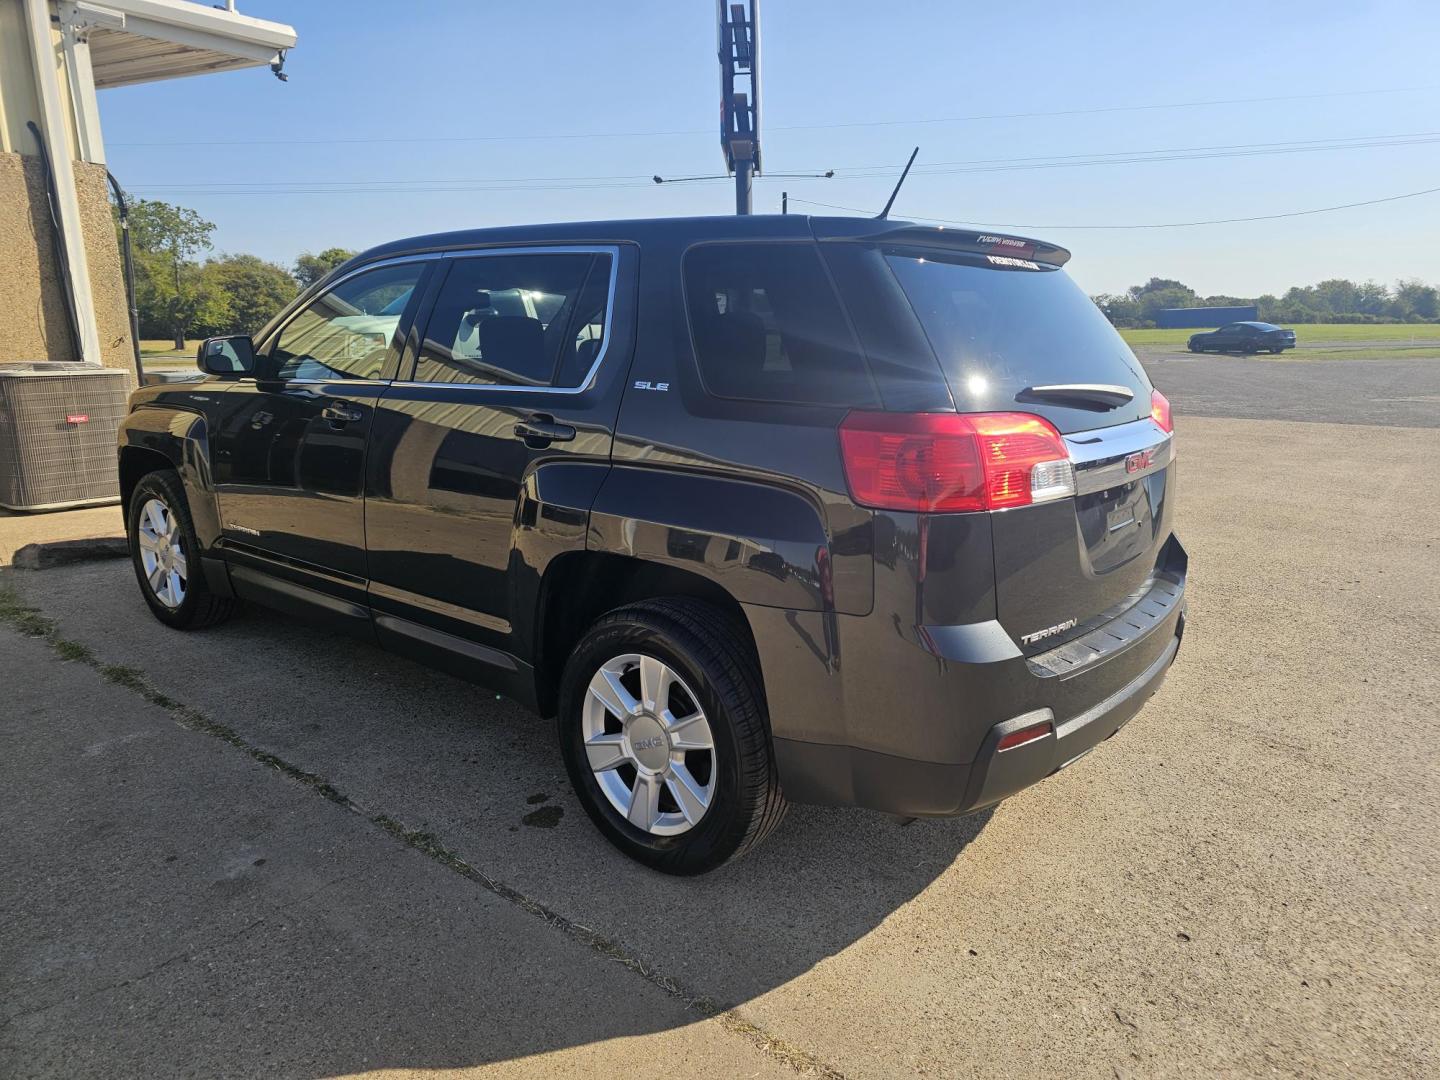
x,y
663,730
165,553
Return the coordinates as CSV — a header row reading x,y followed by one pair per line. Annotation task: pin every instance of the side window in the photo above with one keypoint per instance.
x,y
517,320
347,332
767,326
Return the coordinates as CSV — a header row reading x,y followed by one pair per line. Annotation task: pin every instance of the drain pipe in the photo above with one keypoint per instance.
x,y
57,235
129,273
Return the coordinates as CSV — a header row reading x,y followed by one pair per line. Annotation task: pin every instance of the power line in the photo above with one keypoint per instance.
x,y
1183,153
1095,110
1102,109
1158,225
579,183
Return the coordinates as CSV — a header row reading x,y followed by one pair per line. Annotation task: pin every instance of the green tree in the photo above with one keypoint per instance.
x,y
171,290
311,268
1119,308
254,291
1416,300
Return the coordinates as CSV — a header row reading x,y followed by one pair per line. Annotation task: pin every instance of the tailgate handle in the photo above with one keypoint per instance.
x,y
541,430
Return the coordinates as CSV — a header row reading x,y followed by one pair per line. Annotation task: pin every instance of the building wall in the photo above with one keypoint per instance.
x,y
1199,317
33,321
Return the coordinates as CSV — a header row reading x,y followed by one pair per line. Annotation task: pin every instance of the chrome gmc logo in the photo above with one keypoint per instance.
x,y
1141,459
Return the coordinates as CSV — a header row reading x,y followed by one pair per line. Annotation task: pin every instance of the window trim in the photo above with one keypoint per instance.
x,y
612,250
273,338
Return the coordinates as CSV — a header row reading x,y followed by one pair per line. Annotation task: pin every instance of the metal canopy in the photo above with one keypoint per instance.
x,y
139,41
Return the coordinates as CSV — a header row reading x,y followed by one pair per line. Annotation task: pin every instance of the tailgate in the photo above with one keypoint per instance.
x,y
1063,568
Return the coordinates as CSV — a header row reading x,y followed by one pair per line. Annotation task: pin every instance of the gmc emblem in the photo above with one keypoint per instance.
x,y
1141,459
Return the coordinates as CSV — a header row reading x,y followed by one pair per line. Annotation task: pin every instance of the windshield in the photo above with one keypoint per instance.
x,y
999,329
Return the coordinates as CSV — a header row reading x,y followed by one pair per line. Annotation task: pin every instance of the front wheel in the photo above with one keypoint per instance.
x,y
663,729
165,552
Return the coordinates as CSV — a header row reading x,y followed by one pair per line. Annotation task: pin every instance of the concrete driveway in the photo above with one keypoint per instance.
x,y
265,851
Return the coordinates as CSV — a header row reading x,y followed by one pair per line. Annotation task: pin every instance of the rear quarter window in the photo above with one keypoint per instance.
x,y
767,326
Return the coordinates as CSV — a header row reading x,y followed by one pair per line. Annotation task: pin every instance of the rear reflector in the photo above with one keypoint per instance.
x,y
1160,411
1023,736
953,462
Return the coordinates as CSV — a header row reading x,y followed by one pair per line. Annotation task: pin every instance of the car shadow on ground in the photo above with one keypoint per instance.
x,y
475,782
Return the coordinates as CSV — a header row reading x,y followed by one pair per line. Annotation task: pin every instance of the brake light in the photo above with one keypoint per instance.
x,y
953,462
1160,411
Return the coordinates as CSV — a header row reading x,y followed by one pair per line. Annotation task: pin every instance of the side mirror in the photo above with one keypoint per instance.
x,y
234,355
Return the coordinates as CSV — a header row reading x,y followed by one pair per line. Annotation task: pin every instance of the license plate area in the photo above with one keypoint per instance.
x,y
1118,524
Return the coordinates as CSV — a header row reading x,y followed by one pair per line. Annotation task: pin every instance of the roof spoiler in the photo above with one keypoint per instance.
x,y
941,237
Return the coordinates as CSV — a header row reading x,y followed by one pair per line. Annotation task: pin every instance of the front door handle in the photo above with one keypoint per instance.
x,y
541,430
338,413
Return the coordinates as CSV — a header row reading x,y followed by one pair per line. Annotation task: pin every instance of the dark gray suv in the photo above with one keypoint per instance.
x,y
761,509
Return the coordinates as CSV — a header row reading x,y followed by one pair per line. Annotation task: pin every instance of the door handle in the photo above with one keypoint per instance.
x,y
541,430
339,413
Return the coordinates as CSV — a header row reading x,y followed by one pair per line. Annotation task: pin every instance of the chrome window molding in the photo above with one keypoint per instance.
x,y
1099,455
540,249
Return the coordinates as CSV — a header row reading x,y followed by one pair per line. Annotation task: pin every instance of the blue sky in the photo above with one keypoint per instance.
x,y
469,93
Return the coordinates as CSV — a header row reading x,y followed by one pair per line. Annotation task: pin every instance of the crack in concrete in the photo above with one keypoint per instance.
x,y
32,622
185,955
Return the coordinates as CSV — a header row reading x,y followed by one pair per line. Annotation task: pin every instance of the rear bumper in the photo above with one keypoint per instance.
x,y
978,704
821,773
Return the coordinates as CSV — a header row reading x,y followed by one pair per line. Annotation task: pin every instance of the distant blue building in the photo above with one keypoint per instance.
x,y
1174,318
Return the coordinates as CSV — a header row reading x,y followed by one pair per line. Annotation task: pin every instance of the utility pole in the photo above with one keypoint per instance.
x,y
739,52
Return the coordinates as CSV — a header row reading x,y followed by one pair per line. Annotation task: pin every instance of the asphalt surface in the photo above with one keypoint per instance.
x,y
1391,393
1243,882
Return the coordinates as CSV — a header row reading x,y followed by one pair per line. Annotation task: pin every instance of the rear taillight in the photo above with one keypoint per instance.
x,y
952,462
1160,411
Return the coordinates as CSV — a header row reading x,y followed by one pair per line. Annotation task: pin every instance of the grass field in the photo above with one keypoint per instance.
x,y
166,347
1313,334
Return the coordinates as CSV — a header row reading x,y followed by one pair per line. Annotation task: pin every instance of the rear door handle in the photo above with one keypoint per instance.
x,y
541,430
339,413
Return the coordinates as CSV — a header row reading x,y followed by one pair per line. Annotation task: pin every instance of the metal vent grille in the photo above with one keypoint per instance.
x,y
58,425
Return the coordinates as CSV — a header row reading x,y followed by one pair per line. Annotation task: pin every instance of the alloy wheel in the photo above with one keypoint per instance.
x,y
649,744
161,553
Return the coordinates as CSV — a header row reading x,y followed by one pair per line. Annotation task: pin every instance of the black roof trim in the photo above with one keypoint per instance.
x,y
689,230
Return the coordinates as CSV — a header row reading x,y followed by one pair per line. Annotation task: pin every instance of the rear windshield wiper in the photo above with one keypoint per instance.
x,y
1086,395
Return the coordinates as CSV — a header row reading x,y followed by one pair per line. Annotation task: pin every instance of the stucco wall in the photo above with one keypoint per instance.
x,y
33,322
107,272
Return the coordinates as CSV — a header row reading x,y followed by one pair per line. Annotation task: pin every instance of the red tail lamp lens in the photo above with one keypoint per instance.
x,y
953,462
1023,736
1160,411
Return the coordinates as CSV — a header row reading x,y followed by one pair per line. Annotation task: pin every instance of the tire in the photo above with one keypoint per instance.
x,y
716,673
192,605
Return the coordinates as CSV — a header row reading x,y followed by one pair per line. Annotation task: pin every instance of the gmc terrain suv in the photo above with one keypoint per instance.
x,y
761,509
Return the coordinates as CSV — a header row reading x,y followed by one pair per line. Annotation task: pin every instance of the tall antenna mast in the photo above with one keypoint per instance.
x,y
739,51
891,201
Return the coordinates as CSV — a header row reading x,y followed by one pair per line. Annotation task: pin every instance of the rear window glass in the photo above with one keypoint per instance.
x,y
998,330
767,326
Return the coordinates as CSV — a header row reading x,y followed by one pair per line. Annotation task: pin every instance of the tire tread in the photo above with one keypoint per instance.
x,y
713,639
207,609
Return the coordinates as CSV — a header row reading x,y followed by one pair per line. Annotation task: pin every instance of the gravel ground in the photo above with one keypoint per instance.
x,y
1390,393
1243,882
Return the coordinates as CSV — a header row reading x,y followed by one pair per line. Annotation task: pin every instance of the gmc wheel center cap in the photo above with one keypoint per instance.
x,y
648,744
